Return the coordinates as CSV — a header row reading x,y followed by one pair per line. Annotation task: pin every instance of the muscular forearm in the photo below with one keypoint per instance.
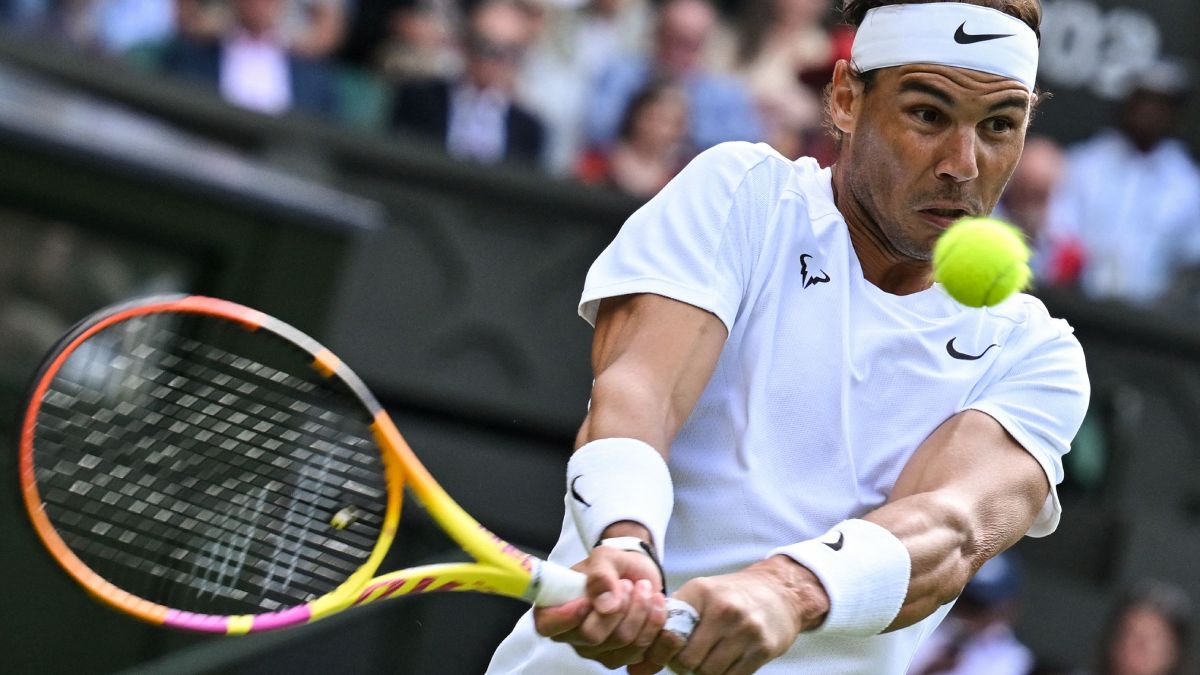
x,y
946,543
969,492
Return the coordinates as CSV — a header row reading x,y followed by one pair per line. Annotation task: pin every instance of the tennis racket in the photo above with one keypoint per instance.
x,y
200,465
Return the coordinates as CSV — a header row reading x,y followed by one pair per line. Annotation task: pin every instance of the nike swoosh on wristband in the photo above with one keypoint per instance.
x,y
575,494
836,545
965,357
962,37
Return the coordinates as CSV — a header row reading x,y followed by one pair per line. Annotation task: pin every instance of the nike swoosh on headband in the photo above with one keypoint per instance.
x,y
962,37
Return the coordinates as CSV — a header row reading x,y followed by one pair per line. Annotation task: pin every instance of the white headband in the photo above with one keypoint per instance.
x,y
950,34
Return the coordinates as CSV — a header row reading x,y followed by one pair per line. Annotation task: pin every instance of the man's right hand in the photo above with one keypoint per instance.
x,y
622,614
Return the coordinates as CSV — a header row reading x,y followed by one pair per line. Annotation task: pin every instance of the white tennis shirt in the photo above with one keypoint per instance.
x,y
824,389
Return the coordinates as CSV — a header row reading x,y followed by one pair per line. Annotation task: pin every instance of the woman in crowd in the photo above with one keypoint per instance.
x,y
1148,632
651,145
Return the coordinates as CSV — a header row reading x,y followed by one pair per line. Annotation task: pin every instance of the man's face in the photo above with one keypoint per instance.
x,y
682,33
1148,118
926,145
258,16
1027,197
495,46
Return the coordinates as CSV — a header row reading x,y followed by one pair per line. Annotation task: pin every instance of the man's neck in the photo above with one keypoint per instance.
x,y
1144,145
495,93
254,33
882,265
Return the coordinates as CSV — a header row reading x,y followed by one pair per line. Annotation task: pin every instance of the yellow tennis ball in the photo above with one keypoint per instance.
x,y
981,261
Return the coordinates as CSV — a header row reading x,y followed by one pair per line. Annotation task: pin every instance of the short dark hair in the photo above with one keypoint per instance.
x,y
1029,11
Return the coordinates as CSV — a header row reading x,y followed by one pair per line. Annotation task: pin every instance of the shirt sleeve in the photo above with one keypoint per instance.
x,y
1041,401
698,239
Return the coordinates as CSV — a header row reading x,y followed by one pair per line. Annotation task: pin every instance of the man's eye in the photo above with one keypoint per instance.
x,y
1001,125
926,115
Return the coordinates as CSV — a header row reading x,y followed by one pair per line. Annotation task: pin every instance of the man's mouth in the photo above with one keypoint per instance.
x,y
943,218
947,213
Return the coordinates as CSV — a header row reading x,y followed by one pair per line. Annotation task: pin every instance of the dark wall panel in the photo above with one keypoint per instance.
x,y
468,304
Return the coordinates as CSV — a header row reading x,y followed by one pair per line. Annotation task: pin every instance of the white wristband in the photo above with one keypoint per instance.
x,y
615,479
865,571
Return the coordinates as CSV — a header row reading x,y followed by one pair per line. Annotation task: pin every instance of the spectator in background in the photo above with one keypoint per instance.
x,y
1130,200
120,25
55,19
1147,634
251,66
202,19
117,26
575,45
777,41
308,28
421,42
1026,203
476,117
650,150
1026,199
315,28
721,109
977,637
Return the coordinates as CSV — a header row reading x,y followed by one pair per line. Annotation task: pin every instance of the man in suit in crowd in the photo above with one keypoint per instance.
x,y
476,117
251,65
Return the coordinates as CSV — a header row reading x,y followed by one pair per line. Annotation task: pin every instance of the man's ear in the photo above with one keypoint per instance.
x,y
845,98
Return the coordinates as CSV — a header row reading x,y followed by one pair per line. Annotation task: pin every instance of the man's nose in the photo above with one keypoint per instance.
x,y
958,162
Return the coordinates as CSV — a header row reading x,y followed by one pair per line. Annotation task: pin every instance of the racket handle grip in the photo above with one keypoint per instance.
x,y
558,584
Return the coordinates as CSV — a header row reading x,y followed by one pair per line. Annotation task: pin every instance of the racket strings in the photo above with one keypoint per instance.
x,y
227,518
222,434
193,474
169,418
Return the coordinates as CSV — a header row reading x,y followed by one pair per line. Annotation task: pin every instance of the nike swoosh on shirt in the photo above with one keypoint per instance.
x,y
962,37
965,357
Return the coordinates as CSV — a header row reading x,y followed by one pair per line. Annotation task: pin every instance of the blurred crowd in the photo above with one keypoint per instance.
x,y
1147,631
623,93
615,92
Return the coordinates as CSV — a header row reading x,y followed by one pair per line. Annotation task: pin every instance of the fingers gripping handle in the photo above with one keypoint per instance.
x,y
557,584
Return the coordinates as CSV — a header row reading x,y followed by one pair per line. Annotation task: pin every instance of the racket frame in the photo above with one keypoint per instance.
x,y
499,567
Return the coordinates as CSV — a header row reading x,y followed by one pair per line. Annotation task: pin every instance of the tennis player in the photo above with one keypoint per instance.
x,y
818,443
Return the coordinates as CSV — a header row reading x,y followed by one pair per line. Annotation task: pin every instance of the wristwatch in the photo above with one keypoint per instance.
x,y
635,545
